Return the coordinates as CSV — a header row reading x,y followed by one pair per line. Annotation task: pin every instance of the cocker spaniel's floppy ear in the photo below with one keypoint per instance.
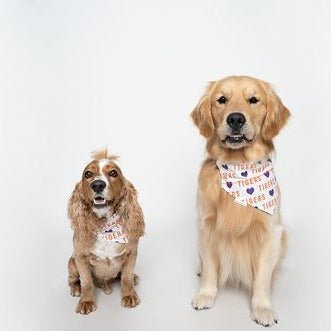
x,y
77,209
202,116
132,216
277,114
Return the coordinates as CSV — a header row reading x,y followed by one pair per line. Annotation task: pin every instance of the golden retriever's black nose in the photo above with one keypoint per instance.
x,y
236,120
98,186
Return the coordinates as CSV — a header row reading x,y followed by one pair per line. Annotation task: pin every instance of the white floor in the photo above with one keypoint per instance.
x,y
36,296
76,75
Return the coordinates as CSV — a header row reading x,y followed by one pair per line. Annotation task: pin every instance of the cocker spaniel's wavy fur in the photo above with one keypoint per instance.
x,y
85,268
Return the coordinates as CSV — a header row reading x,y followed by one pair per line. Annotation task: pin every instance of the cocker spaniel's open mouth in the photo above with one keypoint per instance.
x,y
100,202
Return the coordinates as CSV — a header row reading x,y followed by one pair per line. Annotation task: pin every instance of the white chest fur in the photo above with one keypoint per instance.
x,y
110,240
106,249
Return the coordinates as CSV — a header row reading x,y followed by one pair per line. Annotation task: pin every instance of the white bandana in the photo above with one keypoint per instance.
x,y
112,231
252,183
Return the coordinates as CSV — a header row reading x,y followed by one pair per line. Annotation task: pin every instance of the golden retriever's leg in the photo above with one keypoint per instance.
x,y
130,298
208,289
87,301
73,278
262,311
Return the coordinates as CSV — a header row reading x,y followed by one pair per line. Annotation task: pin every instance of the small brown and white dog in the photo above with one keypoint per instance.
x,y
107,222
241,238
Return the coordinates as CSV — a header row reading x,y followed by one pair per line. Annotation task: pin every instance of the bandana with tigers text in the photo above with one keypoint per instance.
x,y
252,183
112,231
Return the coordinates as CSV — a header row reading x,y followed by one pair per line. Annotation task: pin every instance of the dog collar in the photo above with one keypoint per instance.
x,y
112,230
251,183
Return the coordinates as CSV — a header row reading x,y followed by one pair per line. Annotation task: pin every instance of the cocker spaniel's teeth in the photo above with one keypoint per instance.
x,y
99,201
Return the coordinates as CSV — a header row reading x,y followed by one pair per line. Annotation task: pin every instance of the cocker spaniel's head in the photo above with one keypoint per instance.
x,y
103,191
102,181
238,112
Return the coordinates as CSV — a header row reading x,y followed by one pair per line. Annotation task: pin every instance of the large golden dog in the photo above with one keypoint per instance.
x,y
239,116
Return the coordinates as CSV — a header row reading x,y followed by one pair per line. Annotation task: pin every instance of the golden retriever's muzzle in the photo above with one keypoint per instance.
x,y
236,130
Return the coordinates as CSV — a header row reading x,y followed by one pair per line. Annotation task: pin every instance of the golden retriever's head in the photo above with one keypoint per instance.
x,y
102,182
238,111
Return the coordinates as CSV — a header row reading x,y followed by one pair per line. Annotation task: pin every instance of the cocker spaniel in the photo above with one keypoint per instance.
x,y
107,222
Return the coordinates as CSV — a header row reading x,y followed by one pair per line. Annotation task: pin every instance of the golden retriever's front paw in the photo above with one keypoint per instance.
x,y
130,301
264,316
203,301
86,307
75,289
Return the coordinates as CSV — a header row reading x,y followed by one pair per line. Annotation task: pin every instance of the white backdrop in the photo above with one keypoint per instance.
x,y
80,75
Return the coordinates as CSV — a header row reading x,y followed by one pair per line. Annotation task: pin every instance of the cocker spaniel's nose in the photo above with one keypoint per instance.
x,y
236,120
98,186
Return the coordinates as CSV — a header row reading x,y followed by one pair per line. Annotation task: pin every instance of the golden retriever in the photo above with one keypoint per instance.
x,y
107,222
239,241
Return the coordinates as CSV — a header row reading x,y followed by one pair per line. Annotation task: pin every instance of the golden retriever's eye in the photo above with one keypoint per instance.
x,y
88,174
222,99
253,100
113,173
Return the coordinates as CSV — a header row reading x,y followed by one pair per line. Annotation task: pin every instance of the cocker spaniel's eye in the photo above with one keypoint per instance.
x,y
113,173
253,100
88,174
222,99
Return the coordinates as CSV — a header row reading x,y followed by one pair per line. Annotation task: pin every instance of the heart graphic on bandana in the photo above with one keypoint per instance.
x,y
271,192
267,173
250,190
229,184
225,166
244,174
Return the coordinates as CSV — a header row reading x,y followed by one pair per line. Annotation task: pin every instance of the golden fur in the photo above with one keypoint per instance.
x,y
87,270
238,244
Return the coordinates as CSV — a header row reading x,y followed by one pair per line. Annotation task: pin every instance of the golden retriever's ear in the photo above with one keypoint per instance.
x,y
202,116
277,115
132,216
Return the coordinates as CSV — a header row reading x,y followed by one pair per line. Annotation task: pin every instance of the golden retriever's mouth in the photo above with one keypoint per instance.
x,y
236,139
101,202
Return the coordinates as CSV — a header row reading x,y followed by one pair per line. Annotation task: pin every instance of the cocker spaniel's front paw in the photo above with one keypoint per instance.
x,y
130,301
86,307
